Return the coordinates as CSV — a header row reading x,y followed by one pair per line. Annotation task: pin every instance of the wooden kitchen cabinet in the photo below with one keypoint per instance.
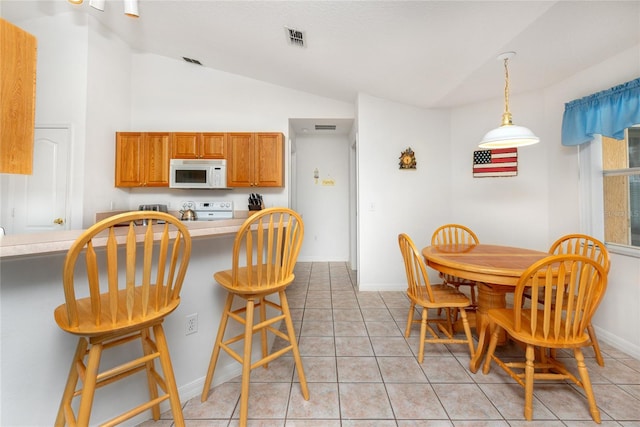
x,y
198,145
18,50
255,159
142,159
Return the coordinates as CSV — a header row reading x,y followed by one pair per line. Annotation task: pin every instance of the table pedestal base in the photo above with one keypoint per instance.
x,y
489,296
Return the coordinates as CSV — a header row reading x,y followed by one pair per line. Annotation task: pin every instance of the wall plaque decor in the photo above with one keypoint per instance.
x,y
408,159
496,162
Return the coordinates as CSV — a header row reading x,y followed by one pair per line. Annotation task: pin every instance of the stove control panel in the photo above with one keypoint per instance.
x,y
214,206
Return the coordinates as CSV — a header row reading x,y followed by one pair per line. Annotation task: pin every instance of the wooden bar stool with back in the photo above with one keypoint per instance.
x,y
264,255
123,305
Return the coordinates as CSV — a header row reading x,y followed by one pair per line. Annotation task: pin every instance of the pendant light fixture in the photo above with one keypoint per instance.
x,y
97,4
508,135
130,6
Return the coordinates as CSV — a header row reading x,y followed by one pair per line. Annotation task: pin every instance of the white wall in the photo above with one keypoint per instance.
x,y
174,95
503,210
108,109
393,201
325,208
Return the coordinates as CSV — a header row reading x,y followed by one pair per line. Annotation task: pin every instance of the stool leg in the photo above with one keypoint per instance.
x,y
423,333
586,385
246,362
596,345
89,384
407,331
529,370
263,331
284,303
216,347
151,380
167,369
72,382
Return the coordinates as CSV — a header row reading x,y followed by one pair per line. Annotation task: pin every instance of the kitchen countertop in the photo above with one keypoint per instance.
x,y
60,241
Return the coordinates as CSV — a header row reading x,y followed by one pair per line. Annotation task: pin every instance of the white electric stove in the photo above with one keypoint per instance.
x,y
213,211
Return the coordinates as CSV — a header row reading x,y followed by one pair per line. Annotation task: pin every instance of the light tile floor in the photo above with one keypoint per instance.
x,y
361,371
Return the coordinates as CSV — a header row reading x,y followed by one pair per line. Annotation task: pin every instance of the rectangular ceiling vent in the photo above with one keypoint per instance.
x,y
295,37
192,61
325,127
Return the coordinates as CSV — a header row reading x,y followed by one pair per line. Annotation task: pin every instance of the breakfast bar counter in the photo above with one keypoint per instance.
x,y
60,241
31,287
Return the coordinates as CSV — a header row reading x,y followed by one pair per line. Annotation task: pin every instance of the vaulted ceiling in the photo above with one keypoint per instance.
x,y
432,54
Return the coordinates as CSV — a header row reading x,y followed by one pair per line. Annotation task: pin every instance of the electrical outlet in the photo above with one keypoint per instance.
x,y
191,325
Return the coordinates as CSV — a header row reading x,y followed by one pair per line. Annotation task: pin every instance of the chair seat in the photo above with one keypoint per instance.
x,y
245,286
443,298
86,320
505,318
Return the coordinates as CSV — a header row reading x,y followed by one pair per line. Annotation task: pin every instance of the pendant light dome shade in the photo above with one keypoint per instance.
x,y
508,135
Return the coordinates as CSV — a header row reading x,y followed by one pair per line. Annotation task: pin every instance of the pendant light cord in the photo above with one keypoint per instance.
x,y
506,116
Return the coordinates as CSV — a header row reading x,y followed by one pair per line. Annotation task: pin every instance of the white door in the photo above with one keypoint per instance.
x,y
38,202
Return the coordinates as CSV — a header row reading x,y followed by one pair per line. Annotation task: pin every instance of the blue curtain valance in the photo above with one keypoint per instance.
x,y
606,113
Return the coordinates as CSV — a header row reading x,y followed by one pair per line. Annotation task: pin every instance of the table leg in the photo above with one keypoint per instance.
x,y
489,296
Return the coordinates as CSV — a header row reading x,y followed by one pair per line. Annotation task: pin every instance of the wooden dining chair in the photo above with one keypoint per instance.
x,y
573,286
265,251
456,234
581,244
132,276
423,294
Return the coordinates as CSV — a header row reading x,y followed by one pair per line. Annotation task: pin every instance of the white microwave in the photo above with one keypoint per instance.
x,y
186,173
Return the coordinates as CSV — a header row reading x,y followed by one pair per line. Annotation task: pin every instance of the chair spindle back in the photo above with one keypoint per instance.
x,y
164,247
416,271
572,287
270,241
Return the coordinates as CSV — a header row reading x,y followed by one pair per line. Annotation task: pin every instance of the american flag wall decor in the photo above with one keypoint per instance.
x,y
497,162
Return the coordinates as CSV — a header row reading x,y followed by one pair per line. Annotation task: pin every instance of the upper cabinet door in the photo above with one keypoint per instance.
x,y
269,154
240,160
184,145
157,156
213,145
142,159
129,154
18,52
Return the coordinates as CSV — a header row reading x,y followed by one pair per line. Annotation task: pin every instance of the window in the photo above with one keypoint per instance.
x,y
621,188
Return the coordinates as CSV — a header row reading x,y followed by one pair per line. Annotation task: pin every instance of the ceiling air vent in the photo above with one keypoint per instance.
x,y
325,127
295,37
192,61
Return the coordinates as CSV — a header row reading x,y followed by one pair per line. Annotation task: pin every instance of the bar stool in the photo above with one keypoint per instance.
x,y
264,254
119,311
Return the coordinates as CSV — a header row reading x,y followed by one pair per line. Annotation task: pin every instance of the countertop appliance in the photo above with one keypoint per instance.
x,y
152,207
191,173
214,210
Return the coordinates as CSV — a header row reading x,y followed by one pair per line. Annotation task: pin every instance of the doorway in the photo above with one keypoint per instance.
x,y
322,188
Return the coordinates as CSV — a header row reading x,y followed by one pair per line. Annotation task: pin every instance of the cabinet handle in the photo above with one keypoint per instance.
x,y
58,221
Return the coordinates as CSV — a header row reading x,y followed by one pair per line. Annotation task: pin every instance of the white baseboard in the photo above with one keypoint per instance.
x,y
624,346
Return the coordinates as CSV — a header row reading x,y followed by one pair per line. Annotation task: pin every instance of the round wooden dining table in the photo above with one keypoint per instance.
x,y
496,270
